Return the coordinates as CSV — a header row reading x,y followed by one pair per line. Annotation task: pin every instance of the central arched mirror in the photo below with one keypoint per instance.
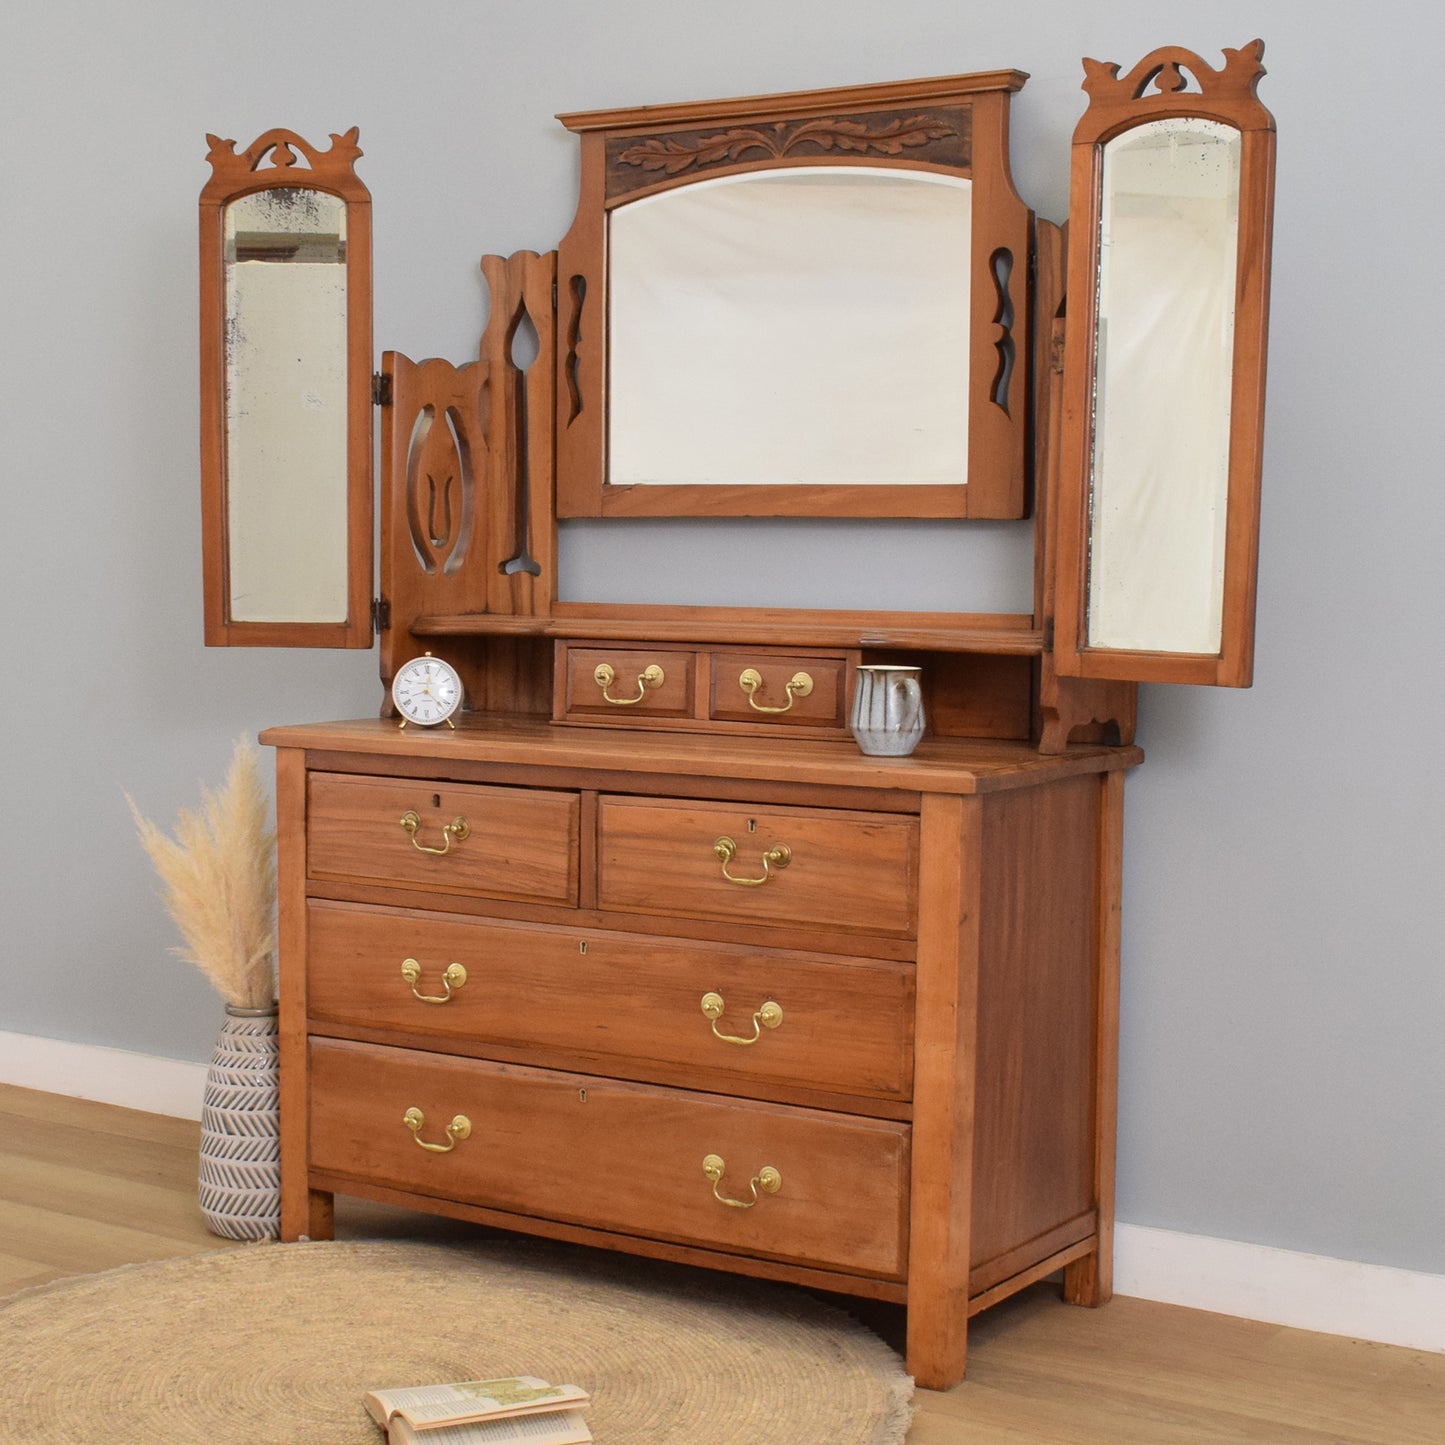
x,y
802,306
802,325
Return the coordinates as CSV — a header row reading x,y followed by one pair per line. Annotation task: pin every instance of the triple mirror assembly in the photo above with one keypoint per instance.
x,y
823,304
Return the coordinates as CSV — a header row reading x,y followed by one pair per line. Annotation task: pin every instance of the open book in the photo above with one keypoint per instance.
x,y
520,1409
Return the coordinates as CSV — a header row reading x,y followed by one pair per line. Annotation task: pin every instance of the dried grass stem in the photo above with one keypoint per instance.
x,y
218,881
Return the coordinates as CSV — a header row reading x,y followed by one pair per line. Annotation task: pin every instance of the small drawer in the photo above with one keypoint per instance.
x,y
458,837
615,1156
624,683
647,1006
809,867
784,690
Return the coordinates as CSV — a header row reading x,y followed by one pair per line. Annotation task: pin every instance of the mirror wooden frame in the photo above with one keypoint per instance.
x,y
293,163
957,125
1155,89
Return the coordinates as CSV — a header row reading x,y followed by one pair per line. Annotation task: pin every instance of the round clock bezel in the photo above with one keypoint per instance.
x,y
407,710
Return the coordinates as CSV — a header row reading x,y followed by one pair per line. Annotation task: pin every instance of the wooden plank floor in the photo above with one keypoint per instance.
x,y
86,1187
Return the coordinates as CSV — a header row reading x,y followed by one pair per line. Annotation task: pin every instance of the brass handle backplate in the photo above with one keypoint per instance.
x,y
775,857
458,828
454,977
767,1179
799,685
767,1017
652,676
459,1128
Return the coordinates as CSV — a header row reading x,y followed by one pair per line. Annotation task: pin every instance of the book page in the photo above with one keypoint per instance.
x,y
430,1405
561,1427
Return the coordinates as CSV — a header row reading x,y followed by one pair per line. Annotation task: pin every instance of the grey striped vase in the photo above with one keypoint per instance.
x,y
240,1178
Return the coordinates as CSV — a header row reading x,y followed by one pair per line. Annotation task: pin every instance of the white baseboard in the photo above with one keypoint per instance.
x,y
1252,1281
1281,1286
109,1076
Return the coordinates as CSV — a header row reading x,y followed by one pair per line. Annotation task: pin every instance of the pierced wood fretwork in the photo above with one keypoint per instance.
x,y
434,457
521,569
1168,71
331,168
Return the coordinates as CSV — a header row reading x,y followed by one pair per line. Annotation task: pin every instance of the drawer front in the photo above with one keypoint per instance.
x,y
615,1156
786,691
627,684
811,867
621,1000
500,842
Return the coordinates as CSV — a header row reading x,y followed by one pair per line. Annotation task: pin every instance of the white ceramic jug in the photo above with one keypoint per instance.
x,y
887,718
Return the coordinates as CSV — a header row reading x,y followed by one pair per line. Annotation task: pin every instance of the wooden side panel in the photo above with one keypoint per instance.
x,y
1038,995
1090,1281
303,1214
944,1086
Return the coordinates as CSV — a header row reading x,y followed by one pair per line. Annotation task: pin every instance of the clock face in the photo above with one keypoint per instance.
x,y
427,691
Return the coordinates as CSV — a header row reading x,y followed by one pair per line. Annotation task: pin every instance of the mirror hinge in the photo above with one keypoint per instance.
x,y
381,388
380,613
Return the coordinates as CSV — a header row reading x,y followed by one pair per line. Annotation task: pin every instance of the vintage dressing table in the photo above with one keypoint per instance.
x,y
644,952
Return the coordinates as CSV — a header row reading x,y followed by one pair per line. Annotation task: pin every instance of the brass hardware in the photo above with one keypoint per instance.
x,y
767,1179
458,828
777,857
767,1017
650,677
799,685
458,1129
454,977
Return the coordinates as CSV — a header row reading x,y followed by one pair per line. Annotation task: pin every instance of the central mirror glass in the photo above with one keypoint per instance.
x,y
286,405
799,325
1168,244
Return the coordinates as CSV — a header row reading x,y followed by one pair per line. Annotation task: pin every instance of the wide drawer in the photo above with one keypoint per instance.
x,y
459,837
622,1157
623,1001
810,867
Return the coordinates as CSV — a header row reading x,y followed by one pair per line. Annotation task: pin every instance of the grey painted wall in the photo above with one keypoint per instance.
x,y
1282,1069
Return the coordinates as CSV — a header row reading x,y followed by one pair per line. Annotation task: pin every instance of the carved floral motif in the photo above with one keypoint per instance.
x,y
674,154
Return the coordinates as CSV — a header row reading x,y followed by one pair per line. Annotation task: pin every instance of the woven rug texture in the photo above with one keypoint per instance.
x,y
275,1345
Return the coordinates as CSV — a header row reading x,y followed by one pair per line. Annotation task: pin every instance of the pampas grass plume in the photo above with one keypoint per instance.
x,y
218,881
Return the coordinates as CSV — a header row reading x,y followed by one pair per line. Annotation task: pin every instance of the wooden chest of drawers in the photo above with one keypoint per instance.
x,y
770,1007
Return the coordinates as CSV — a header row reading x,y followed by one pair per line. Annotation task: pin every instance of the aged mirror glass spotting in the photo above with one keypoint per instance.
x,y
286,393
744,989
1173,184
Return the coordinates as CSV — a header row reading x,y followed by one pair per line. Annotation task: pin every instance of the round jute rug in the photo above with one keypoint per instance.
x,y
275,1345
